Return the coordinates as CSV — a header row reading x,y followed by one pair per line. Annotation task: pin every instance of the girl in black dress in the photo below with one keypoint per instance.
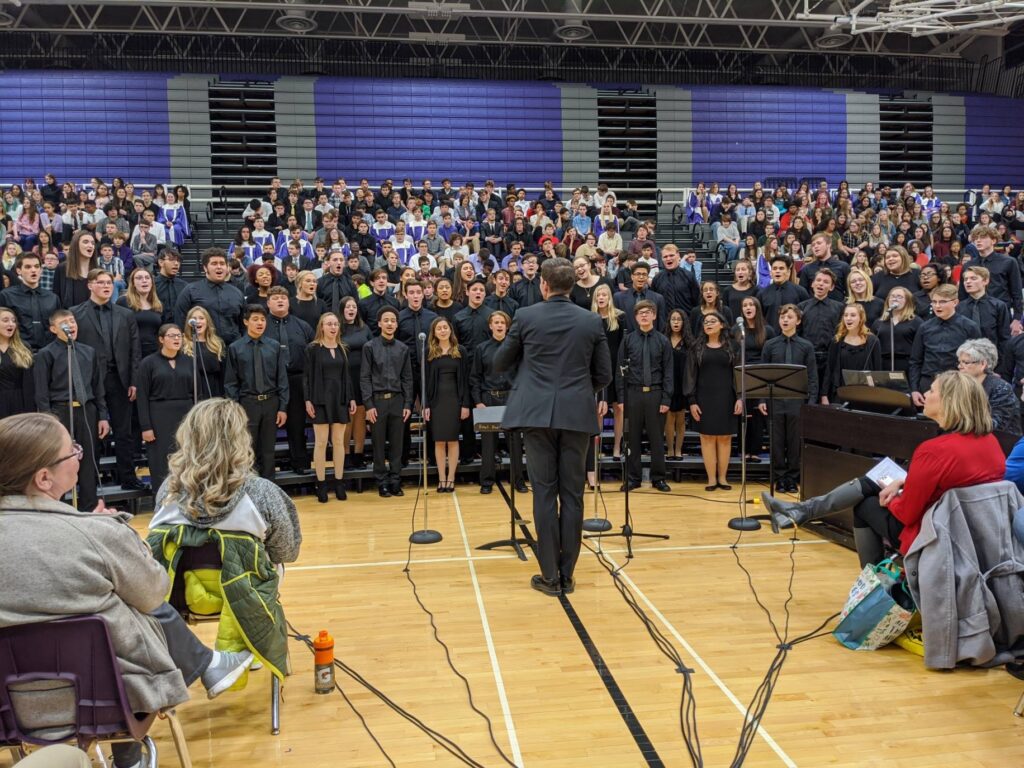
x,y
211,349
860,291
587,281
757,332
675,419
710,303
355,334
164,398
444,303
330,402
141,298
896,330
604,306
448,399
712,397
70,281
854,348
16,391
896,272
306,306
931,277
262,277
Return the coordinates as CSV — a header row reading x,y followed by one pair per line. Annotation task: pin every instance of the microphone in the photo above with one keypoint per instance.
x,y
66,329
894,302
194,323
739,321
422,336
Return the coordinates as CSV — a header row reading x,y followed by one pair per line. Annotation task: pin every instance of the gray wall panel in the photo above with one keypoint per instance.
x,y
949,141
296,128
188,110
675,140
579,135
862,138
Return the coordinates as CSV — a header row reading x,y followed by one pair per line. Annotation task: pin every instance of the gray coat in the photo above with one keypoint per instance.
x,y
966,572
57,562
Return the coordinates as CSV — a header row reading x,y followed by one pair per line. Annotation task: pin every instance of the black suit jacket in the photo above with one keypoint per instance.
x,y
127,350
563,360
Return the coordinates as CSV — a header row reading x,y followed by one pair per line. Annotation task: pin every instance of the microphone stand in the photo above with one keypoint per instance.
x,y
195,367
892,339
71,408
743,523
627,531
424,535
597,524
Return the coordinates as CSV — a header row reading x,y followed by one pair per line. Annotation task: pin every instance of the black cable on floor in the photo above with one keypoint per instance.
x,y
447,651
437,737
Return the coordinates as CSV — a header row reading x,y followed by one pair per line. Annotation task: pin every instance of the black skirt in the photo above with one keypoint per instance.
x,y
446,410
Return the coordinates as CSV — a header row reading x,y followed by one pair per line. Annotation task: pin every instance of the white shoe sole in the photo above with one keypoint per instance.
x,y
230,678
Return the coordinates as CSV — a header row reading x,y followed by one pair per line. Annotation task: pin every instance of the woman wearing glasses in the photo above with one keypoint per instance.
x,y
59,562
164,396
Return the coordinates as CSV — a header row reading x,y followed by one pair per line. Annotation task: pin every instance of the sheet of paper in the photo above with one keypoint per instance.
x,y
886,472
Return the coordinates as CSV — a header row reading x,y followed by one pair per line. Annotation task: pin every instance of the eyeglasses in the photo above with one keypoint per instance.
x,y
962,363
942,302
172,336
77,452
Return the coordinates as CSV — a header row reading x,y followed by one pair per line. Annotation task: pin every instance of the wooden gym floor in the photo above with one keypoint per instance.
x,y
529,670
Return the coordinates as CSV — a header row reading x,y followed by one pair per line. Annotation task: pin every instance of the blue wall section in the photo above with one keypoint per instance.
x,y
469,131
995,133
83,124
743,134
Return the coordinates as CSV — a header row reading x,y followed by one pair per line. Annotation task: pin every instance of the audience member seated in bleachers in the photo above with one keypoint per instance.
x,y
57,562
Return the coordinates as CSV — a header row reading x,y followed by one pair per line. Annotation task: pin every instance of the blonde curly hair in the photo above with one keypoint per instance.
x,y
214,457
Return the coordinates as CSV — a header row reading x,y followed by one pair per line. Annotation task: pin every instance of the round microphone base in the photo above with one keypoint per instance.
x,y
744,524
596,525
425,536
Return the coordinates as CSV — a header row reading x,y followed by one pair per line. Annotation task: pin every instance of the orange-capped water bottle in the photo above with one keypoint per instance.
x,y
323,662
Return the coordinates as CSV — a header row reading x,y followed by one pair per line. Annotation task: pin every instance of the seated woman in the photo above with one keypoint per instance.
x,y
967,454
211,488
57,562
977,358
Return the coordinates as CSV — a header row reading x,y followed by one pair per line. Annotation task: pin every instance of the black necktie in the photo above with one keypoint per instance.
x,y
257,365
976,312
646,355
789,351
335,297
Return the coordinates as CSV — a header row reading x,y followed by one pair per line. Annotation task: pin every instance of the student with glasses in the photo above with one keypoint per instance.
x,y
937,341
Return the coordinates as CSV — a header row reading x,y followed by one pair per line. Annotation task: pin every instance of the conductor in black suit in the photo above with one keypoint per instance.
x,y
562,360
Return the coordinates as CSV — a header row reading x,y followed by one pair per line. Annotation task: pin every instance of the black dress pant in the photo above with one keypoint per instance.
x,y
295,427
84,432
643,417
262,415
785,426
167,416
556,460
120,409
512,440
386,434
756,428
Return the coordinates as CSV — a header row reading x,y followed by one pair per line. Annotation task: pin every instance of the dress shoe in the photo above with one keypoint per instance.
x,y
384,491
521,487
724,487
568,585
629,486
710,488
300,470
553,588
340,493
134,484
754,459
662,486
396,490
321,491
1016,669
485,489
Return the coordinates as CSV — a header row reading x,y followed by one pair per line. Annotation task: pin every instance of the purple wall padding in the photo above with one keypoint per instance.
x,y
744,134
469,131
81,124
994,136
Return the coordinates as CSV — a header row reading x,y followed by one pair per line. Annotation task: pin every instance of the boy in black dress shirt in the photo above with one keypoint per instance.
x,y
385,380
789,349
256,375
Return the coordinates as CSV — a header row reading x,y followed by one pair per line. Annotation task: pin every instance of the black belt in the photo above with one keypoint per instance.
x,y
74,403
645,389
497,392
259,398
384,395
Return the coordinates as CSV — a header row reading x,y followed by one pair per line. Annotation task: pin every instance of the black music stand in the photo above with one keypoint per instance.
x,y
864,397
489,420
774,381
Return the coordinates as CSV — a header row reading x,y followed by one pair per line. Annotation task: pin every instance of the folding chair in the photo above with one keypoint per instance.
x,y
60,681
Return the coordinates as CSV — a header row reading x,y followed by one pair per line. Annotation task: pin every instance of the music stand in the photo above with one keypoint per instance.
x,y
863,397
489,420
774,381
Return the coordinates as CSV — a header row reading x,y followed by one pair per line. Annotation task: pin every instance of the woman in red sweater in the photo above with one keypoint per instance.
x,y
967,454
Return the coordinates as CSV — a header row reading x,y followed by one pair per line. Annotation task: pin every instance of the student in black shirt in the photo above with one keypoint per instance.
x,y
991,315
50,374
444,305
820,318
31,304
386,384
790,349
256,375
896,329
471,323
489,388
937,341
780,291
646,356
305,304
380,297
215,294
293,334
